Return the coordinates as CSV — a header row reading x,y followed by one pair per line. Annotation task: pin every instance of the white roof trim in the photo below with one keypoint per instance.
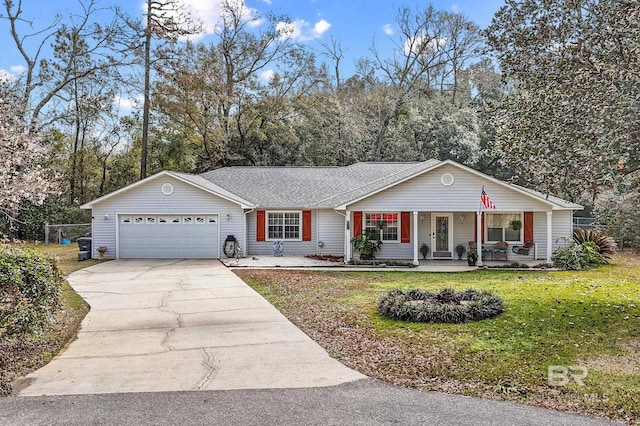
x,y
468,169
241,202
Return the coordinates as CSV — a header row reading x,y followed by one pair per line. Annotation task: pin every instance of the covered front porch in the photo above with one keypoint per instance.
x,y
407,234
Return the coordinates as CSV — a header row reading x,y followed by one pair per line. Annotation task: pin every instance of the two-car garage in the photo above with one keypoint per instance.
x,y
168,236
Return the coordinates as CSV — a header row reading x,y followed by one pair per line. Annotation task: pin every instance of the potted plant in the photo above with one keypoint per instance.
x,y
367,244
460,249
472,257
515,224
424,250
101,251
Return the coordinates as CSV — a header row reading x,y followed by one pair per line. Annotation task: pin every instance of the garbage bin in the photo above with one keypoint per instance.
x,y
84,247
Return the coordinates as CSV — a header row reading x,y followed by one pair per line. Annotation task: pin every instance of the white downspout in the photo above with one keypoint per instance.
x,y
416,262
244,247
549,235
345,242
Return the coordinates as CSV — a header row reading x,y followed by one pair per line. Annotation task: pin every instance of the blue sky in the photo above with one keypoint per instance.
x,y
355,22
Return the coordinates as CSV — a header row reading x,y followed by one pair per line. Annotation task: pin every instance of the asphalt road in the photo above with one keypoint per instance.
x,y
364,402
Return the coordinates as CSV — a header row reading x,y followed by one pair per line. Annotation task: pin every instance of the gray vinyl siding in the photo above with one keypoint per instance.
x,y
148,199
426,193
463,232
331,232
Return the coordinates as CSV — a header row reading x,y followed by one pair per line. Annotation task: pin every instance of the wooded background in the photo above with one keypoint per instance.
x,y
546,97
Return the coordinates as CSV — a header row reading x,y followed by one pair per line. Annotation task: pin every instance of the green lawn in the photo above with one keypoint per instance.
x,y
589,319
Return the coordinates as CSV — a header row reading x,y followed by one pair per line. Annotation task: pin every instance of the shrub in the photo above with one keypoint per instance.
x,y
444,306
569,258
30,285
604,245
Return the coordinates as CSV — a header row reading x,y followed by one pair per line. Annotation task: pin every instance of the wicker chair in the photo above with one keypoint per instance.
x,y
500,250
523,250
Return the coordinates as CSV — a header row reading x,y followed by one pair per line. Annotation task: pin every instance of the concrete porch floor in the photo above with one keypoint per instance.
x,y
301,262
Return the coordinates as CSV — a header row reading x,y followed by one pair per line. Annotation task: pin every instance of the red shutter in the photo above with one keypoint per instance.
x,y
405,224
528,227
260,225
306,225
475,227
357,223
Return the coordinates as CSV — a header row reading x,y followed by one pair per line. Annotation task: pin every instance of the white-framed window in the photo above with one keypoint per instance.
x,y
175,219
200,220
126,219
163,219
138,219
151,219
211,219
284,225
499,227
386,223
187,219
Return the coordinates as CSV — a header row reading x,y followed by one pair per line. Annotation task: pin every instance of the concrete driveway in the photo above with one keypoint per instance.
x,y
180,325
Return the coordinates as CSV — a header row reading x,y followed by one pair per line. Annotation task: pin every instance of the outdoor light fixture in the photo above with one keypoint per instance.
x,y
228,216
461,217
106,217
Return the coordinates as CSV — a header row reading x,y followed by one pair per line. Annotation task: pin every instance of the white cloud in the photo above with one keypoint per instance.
x,y
301,30
17,69
455,7
128,103
320,28
209,14
6,76
267,75
267,1
388,29
423,44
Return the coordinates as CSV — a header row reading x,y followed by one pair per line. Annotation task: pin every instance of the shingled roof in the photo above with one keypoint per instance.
x,y
319,187
328,187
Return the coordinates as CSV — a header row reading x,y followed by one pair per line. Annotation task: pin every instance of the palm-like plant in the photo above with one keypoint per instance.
x,y
605,245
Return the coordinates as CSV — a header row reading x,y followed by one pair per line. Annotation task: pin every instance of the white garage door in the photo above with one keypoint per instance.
x,y
168,236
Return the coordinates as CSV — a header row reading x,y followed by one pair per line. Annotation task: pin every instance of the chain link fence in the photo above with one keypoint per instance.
x,y
55,234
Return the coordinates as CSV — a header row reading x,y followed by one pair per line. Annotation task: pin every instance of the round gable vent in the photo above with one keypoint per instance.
x,y
447,179
167,189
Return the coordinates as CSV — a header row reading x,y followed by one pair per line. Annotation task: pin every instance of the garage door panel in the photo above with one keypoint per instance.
x,y
153,239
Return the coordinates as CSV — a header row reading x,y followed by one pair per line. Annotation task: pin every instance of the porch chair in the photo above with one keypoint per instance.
x,y
523,250
500,250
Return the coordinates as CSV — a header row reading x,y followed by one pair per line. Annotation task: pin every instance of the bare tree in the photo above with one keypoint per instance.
x,y
430,45
79,35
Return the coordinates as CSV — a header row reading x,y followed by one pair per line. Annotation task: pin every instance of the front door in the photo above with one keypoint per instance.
x,y
442,235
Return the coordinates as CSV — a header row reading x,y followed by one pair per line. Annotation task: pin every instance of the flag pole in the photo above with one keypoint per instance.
x,y
479,230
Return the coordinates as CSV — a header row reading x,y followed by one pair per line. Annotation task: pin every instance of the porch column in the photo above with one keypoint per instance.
x,y
549,235
416,262
347,234
479,237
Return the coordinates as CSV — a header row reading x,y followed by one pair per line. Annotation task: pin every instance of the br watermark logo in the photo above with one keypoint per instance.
x,y
563,375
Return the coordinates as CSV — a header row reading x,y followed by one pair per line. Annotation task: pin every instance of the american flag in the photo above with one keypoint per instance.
x,y
486,201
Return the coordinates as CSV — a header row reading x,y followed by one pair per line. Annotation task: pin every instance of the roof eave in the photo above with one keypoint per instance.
x,y
241,202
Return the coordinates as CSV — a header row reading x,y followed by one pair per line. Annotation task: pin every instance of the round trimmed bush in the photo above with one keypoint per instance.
x,y
443,306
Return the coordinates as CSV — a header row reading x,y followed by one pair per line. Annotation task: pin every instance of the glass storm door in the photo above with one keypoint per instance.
x,y
442,235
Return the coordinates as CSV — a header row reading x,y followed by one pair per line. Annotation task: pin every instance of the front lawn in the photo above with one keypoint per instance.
x,y
588,319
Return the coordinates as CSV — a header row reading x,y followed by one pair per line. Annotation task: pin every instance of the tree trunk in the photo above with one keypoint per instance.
x,y
145,107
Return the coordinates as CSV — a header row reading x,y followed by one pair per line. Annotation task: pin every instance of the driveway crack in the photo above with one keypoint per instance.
x,y
208,362
163,308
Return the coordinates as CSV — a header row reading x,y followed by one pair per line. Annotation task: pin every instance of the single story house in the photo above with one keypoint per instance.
x,y
317,210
